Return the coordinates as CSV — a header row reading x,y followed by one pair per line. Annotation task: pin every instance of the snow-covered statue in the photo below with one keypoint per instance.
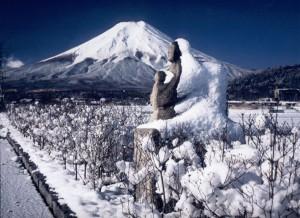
x,y
164,95
201,83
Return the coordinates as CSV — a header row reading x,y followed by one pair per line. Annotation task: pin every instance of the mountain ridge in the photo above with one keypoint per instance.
x,y
262,84
124,57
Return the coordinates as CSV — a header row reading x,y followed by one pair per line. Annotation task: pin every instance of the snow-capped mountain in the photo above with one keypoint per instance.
x,y
124,57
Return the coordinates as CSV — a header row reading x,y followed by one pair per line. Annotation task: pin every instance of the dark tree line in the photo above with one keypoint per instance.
x,y
262,84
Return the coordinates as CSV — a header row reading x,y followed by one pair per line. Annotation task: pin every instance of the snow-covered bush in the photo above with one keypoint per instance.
x,y
213,179
91,138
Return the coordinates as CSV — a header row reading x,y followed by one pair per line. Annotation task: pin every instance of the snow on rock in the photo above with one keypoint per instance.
x,y
203,84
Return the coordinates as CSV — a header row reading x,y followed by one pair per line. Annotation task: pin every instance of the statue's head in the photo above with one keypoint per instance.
x,y
160,76
174,52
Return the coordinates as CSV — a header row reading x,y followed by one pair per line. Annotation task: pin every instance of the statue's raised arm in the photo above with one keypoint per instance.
x,y
174,55
164,95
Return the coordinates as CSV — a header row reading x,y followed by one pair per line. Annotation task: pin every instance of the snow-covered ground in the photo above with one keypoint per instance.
x,y
290,116
19,197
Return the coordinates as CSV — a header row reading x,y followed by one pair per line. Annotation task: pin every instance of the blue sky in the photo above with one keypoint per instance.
x,y
248,33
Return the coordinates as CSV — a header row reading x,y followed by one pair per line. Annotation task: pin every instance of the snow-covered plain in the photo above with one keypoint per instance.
x,y
289,116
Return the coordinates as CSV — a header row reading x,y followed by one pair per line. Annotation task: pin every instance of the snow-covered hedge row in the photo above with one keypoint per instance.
x,y
90,138
192,178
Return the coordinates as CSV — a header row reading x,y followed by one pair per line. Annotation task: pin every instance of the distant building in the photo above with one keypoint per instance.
x,y
286,94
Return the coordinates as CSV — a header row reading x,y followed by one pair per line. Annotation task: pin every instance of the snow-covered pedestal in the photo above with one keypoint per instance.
x,y
144,190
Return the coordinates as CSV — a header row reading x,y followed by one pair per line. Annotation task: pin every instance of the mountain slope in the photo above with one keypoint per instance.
x,y
124,57
263,83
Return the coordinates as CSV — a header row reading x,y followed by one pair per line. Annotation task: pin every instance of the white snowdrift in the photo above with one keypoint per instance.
x,y
203,84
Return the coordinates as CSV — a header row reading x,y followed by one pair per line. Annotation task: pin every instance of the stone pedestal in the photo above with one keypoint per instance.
x,y
145,189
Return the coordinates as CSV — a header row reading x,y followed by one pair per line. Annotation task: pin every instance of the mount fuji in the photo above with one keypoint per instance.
x,y
124,57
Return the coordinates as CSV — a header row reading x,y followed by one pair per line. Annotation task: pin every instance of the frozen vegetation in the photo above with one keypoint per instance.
x,y
194,178
81,172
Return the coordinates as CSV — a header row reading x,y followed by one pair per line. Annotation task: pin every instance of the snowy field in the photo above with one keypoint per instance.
x,y
290,116
19,198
